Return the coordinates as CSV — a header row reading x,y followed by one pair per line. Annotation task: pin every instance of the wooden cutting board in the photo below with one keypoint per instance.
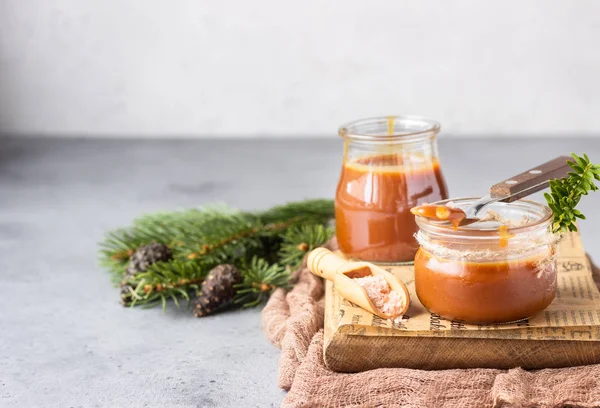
x,y
566,334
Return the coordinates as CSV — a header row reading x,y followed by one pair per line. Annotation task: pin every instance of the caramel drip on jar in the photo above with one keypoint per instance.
x,y
505,235
391,124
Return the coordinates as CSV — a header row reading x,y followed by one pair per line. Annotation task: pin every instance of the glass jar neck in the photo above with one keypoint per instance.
x,y
390,130
406,139
424,151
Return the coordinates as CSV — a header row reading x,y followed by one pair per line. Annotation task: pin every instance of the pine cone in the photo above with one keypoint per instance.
x,y
217,290
126,296
145,256
139,262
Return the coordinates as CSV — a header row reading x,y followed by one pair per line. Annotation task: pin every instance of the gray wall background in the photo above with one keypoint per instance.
x,y
194,68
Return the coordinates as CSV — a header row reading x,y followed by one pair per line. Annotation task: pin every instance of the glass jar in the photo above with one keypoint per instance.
x,y
390,165
496,271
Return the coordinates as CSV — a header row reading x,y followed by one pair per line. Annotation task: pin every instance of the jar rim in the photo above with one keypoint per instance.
x,y
410,129
543,221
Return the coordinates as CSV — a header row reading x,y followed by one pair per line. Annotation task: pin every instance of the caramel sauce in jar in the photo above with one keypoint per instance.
x,y
488,273
373,202
390,165
484,292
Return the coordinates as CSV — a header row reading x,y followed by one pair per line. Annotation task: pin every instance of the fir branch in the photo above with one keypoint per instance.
x,y
177,278
186,233
309,211
201,239
566,193
298,241
260,279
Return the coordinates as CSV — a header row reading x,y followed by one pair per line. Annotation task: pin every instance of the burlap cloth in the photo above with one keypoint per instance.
x,y
293,321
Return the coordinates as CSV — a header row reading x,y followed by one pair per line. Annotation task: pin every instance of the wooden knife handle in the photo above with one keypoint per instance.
x,y
532,180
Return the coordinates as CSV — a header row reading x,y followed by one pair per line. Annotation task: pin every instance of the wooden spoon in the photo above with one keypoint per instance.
x,y
328,265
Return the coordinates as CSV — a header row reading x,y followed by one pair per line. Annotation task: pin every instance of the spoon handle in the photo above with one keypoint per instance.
x,y
324,263
530,181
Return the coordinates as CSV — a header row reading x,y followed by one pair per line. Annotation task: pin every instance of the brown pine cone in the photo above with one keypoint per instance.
x,y
139,262
145,256
217,290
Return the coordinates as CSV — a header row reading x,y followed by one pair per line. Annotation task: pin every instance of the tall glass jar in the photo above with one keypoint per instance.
x,y
496,271
390,165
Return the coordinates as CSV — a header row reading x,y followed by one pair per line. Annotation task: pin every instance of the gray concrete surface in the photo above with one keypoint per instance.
x,y
64,339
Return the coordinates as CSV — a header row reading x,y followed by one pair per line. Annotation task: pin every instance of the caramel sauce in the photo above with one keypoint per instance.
x,y
504,236
391,124
373,202
440,213
484,292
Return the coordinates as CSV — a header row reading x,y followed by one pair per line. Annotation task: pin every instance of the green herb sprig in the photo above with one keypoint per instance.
x,y
566,192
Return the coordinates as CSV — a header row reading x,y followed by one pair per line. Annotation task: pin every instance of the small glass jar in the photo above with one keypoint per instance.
x,y
497,271
390,165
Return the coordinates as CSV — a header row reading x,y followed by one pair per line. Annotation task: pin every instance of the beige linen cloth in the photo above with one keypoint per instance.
x,y
293,321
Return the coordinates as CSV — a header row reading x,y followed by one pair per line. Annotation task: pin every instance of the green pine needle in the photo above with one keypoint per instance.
x,y
566,193
298,241
260,279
